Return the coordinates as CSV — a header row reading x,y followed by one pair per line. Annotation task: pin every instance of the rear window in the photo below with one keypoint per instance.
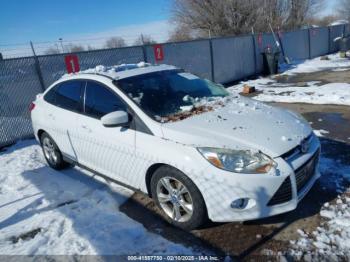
x,y
66,95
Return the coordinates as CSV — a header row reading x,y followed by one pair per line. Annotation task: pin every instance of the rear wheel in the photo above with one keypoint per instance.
x,y
178,197
52,153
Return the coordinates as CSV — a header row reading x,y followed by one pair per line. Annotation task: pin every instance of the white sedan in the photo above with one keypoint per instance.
x,y
197,150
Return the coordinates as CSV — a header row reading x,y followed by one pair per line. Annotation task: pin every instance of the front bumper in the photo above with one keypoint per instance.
x,y
220,188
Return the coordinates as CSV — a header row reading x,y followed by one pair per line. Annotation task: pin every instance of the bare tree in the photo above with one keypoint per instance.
x,y
74,48
181,33
144,40
323,21
299,11
344,9
90,48
115,42
232,17
51,51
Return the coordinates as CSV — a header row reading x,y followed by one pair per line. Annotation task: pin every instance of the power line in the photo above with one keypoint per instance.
x,y
80,39
97,43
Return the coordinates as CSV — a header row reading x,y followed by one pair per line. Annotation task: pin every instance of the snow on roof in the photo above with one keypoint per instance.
x,y
126,70
339,22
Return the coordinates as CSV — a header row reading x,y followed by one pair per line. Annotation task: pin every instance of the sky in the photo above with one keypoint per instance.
x,y
22,21
330,7
93,21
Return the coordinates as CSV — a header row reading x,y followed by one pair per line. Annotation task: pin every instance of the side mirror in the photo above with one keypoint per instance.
x,y
114,119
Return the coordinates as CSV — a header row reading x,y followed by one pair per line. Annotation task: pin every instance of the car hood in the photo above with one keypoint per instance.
x,y
241,123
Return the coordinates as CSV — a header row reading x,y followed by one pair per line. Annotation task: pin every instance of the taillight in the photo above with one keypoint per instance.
x,y
31,107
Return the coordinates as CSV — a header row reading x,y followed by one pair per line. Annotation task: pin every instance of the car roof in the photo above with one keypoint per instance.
x,y
122,71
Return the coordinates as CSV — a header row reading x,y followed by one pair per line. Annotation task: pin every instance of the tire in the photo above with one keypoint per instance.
x,y
54,159
180,198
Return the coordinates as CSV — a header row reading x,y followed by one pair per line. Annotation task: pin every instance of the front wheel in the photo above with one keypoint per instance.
x,y
178,197
52,153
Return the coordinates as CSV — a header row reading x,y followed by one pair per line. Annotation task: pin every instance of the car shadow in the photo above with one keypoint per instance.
x,y
63,191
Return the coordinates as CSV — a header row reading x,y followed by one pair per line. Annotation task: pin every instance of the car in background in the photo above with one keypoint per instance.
x,y
199,151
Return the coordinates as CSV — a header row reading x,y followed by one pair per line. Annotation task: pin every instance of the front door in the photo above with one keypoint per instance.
x,y
108,150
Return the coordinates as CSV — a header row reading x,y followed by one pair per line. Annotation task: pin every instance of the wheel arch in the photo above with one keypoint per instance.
x,y
154,167
150,171
40,133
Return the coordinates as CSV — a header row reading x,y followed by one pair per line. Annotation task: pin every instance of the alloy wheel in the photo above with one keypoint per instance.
x,y
175,199
50,151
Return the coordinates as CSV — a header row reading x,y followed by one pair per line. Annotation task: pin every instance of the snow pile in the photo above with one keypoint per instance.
x,y
332,238
115,68
110,70
43,211
316,64
271,91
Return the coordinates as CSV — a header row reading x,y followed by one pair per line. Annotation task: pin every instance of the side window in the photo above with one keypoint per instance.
x,y
68,95
100,101
50,96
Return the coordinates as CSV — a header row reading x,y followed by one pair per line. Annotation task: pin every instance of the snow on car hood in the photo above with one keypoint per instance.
x,y
242,123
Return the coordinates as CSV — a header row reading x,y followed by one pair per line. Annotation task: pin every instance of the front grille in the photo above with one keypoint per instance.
x,y
296,151
304,173
283,194
302,176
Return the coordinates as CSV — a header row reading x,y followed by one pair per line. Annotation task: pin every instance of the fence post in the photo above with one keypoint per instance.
x,y
144,52
37,67
309,38
255,56
329,39
211,60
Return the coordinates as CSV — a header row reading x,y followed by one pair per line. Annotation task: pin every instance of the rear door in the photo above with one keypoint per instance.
x,y
64,105
108,150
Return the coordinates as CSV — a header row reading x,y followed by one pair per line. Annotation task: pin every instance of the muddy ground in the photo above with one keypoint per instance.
x,y
248,240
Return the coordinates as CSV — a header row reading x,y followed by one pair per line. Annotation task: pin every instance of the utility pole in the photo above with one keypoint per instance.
x,y
61,40
58,50
142,40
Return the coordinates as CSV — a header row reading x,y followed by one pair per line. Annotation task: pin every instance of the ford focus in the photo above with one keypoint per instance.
x,y
199,151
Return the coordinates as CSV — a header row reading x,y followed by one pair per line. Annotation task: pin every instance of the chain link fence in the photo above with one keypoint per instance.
x,y
19,84
222,60
53,66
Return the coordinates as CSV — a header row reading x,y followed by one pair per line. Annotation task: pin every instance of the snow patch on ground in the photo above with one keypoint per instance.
x,y
43,211
321,132
269,90
334,93
316,64
331,240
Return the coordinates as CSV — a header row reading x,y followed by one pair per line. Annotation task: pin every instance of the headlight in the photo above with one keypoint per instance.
x,y
238,161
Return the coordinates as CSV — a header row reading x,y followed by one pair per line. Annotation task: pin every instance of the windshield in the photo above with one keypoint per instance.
x,y
166,93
